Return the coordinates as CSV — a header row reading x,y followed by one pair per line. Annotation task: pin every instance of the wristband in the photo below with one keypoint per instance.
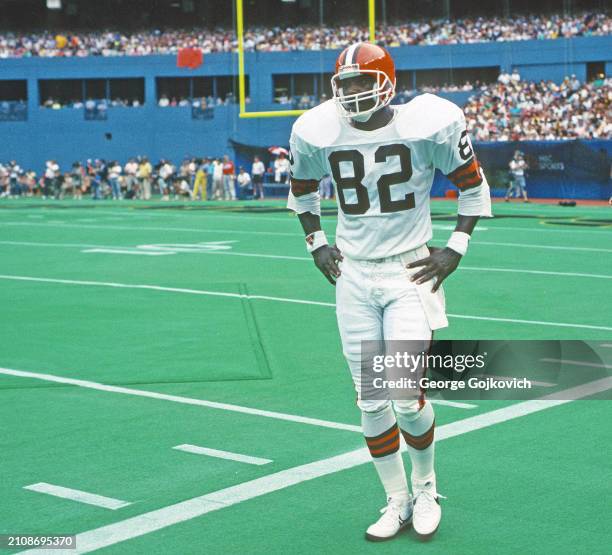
x,y
459,242
316,240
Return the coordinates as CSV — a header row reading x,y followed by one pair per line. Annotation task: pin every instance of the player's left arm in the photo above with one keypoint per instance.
x,y
455,157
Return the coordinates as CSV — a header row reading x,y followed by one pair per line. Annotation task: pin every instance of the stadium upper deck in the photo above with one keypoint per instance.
x,y
304,37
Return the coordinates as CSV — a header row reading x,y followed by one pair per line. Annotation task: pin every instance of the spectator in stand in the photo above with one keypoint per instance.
x,y
96,180
217,171
130,179
304,103
515,110
228,179
145,170
281,169
76,177
66,186
52,171
200,182
164,178
4,192
306,37
257,171
518,185
15,177
31,183
114,177
244,184
208,168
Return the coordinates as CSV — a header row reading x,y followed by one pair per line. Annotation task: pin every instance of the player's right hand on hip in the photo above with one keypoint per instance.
x,y
326,258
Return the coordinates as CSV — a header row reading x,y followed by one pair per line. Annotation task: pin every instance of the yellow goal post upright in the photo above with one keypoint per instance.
x,y
241,79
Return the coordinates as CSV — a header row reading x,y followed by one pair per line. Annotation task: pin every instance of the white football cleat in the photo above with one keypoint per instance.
x,y
396,516
427,512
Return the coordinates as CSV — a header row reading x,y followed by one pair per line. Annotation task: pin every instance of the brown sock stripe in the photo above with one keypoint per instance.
x,y
387,449
382,438
385,443
420,442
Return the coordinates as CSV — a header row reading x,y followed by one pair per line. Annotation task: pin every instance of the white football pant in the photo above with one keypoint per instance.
x,y
375,301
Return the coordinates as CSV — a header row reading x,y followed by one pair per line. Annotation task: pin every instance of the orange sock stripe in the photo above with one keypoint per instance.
x,y
384,444
420,442
386,436
387,450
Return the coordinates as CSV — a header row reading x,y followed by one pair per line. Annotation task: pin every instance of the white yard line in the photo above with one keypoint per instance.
x,y
192,508
277,299
123,249
203,402
78,495
531,322
577,363
197,450
288,218
154,228
129,251
180,399
532,246
295,234
537,383
535,272
455,404
606,345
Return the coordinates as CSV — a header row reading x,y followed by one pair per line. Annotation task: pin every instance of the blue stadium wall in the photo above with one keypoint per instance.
x,y
171,132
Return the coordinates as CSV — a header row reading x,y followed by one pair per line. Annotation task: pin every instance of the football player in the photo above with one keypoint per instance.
x,y
382,160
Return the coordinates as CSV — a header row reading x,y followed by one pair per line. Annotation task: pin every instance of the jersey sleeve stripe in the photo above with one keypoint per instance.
x,y
468,167
464,186
466,176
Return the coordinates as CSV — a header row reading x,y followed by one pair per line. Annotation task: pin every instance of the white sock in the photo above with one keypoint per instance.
x,y
382,436
418,432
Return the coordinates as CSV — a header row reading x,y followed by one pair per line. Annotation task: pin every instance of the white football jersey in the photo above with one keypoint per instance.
x,y
383,177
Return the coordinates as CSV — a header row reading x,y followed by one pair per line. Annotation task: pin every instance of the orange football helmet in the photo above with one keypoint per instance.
x,y
364,58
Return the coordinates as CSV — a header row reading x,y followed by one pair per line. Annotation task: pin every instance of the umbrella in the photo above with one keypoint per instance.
x,y
278,150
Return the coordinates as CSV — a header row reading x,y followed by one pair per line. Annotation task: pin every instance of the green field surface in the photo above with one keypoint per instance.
x,y
131,328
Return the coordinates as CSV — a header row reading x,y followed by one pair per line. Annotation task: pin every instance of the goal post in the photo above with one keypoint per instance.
x,y
241,72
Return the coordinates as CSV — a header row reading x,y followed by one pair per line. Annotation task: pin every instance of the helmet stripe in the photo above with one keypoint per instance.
x,y
351,54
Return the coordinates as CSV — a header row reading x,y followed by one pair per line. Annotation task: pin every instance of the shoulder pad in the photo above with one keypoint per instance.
x,y
320,126
430,117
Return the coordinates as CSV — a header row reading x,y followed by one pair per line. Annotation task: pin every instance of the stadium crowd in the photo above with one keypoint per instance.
x,y
516,110
304,37
164,101
508,110
194,178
